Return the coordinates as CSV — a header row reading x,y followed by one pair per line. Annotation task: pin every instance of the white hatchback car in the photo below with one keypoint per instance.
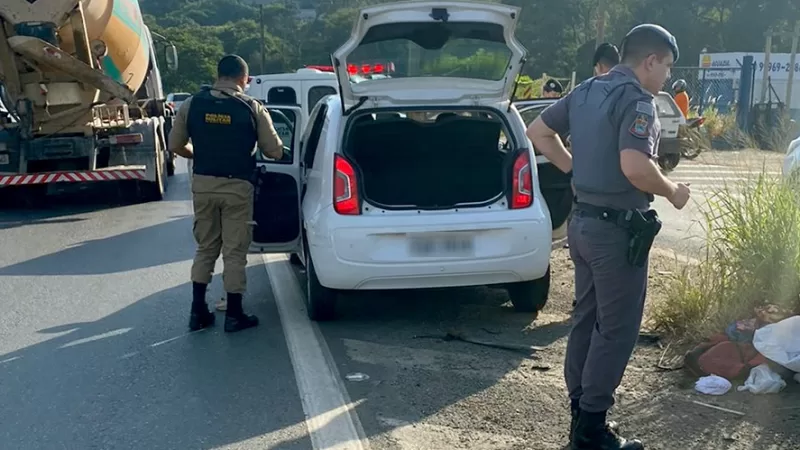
x,y
404,182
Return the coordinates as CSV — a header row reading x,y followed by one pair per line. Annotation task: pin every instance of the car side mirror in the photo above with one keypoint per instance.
x,y
171,56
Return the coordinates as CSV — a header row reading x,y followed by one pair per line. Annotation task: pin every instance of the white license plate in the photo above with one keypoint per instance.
x,y
442,245
4,159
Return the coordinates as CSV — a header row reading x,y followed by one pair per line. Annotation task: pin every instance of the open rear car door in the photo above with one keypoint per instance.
x,y
555,185
276,209
416,36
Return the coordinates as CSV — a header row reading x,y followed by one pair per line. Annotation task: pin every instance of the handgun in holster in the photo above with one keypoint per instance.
x,y
643,228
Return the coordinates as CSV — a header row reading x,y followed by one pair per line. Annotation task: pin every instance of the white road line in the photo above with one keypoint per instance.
x,y
330,416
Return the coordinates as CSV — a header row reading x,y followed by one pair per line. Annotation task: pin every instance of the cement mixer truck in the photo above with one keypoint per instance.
x,y
83,97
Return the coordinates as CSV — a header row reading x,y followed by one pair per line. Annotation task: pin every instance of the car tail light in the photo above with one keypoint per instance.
x,y
345,188
522,182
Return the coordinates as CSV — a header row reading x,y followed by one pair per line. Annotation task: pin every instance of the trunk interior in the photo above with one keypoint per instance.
x,y
453,160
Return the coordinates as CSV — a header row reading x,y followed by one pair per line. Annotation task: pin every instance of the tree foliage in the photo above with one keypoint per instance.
x,y
559,36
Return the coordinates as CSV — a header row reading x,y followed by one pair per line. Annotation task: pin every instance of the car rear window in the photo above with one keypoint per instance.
x,y
180,97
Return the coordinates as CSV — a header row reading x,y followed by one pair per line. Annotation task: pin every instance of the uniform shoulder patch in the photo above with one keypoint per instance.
x,y
640,125
645,108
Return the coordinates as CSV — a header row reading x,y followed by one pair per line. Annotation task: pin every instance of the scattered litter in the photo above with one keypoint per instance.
x,y
718,408
742,330
453,336
780,342
763,380
713,385
357,376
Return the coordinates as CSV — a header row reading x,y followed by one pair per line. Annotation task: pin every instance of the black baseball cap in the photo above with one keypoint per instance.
x,y
552,85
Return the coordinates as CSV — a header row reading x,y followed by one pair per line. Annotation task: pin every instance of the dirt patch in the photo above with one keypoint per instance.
x,y
656,405
528,407
427,392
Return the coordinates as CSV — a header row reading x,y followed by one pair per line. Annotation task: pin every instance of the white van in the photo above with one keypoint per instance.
x,y
304,89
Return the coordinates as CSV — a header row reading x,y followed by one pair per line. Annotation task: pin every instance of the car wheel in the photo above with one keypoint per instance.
x,y
530,296
669,162
320,301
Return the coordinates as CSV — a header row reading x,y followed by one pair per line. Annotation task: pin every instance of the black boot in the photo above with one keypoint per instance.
x,y
575,410
235,318
200,317
593,433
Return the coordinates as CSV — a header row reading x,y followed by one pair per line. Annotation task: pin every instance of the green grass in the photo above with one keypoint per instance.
x,y
752,259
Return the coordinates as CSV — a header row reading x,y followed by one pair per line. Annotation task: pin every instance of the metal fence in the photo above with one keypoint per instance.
x,y
717,87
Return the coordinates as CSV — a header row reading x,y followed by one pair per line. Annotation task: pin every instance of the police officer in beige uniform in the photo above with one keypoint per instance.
x,y
614,128
224,126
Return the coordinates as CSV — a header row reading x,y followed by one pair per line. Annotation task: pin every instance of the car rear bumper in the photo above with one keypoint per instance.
x,y
379,256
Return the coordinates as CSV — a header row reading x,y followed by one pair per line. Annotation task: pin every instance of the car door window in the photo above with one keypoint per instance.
x,y
284,121
317,93
312,134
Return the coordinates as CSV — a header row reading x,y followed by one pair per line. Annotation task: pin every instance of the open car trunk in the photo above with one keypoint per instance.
x,y
451,161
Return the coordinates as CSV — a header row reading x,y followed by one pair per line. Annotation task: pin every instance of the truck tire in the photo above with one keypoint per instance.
x,y
530,296
153,191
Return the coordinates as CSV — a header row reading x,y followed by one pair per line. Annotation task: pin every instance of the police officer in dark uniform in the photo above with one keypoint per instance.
x,y
615,132
224,126
552,89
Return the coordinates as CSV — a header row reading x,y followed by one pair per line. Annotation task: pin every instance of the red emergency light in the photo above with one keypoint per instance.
x,y
362,69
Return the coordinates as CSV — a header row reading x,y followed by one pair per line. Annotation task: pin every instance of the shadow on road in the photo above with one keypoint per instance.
x,y
136,379
166,243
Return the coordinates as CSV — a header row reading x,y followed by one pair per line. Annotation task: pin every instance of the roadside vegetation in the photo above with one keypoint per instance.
x,y
752,259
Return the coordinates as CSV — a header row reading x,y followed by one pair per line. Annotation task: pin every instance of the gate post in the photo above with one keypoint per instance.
x,y
745,89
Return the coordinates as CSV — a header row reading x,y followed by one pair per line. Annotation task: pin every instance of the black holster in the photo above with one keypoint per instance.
x,y
643,228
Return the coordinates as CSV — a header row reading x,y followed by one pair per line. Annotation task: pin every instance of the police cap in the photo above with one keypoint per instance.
x,y
553,86
655,30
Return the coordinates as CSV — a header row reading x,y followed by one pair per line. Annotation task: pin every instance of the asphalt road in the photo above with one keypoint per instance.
x,y
95,354
684,230
94,350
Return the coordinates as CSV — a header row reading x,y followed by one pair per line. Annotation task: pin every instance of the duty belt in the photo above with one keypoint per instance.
x,y
599,212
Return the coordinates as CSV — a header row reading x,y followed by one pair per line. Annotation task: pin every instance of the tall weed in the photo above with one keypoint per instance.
x,y
752,259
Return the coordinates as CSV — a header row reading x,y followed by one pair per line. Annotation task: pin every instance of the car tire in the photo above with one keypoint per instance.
x,y
320,300
530,296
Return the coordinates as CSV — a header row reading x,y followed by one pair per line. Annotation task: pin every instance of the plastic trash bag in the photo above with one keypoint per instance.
x,y
780,342
763,380
712,385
